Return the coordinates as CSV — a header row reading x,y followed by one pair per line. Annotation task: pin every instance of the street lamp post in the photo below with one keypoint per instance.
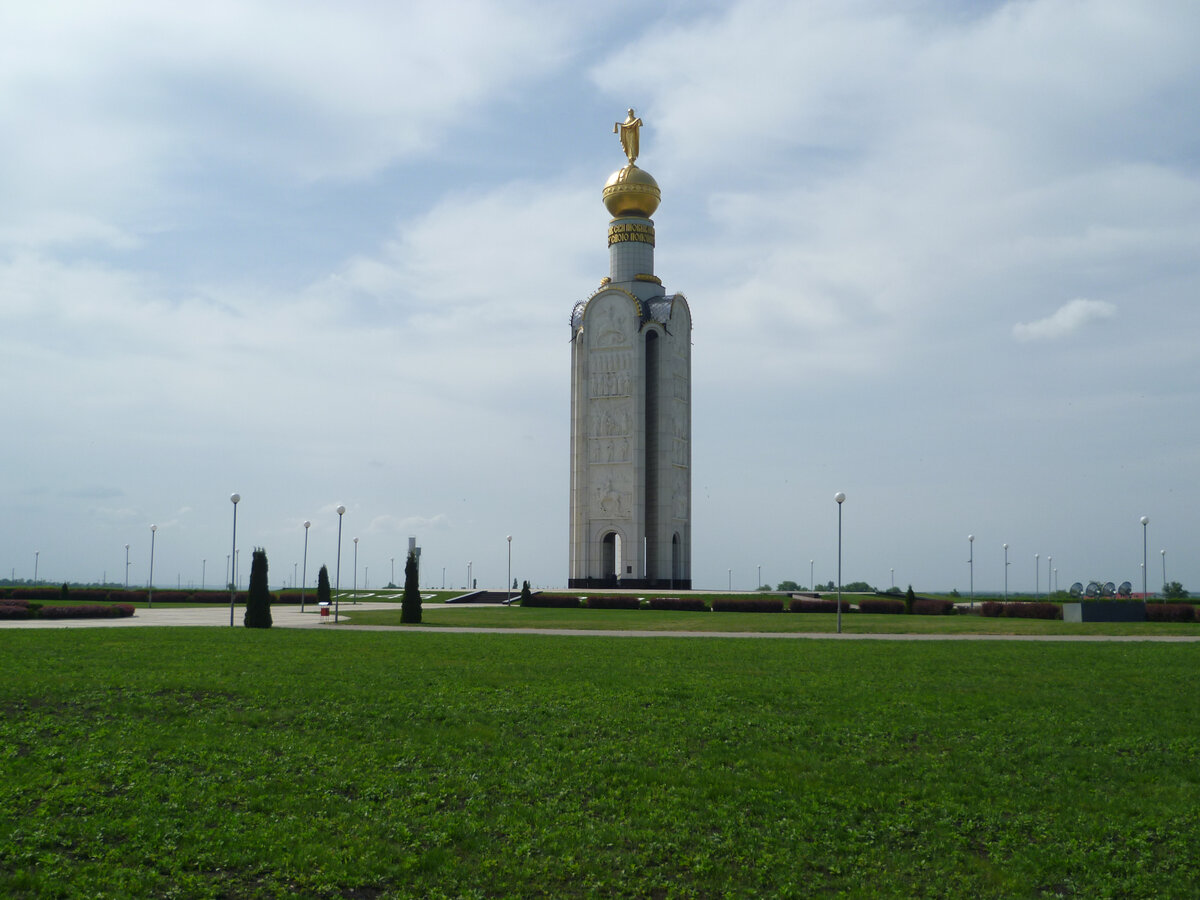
x,y
1006,573
731,579
971,563
37,556
304,568
203,572
840,498
1037,574
1164,562
234,499
893,574
443,578
393,581
1049,576
757,586
126,567
812,585
150,587
354,592
337,590
1145,522
508,580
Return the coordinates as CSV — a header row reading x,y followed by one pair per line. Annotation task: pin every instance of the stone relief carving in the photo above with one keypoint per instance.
x,y
611,420
614,499
611,329
608,450
679,495
611,374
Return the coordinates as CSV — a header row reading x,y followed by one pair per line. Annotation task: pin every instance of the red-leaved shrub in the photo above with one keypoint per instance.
x,y
1020,610
879,605
926,606
1170,612
687,604
92,611
805,605
551,601
748,604
10,610
622,601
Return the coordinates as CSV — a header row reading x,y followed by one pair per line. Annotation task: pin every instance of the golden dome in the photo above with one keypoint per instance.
x,y
631,192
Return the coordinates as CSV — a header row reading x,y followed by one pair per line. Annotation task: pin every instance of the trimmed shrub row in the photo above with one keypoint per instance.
x,y
748,604
551,601
879,606
1171,612
1020,610
617,602
925,606
23,609
805,605
687,604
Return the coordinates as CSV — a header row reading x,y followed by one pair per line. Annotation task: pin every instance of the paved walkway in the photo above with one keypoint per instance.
x,y
290,617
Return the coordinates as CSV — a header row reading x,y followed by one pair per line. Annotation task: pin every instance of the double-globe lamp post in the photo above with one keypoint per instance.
x,y
234,499
840,497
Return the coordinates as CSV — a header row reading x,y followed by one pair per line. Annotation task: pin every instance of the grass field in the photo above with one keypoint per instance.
x,y
657,620
333,763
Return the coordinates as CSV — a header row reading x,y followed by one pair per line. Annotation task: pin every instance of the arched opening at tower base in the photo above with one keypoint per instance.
x,y
610,557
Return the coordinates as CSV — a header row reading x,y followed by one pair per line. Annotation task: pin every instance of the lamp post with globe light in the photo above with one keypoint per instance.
x,y
150,586
304,567
126,567
354,591
1164,562
508,580
337,589
234,499
1145,522
1006,573
840,497
971,564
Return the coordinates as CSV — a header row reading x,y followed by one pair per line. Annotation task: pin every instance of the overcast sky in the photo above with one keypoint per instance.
x,y
942,256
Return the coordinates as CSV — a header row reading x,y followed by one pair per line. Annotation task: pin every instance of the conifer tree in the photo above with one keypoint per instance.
x,y
410,606
324,595
258,597
525,595
908,600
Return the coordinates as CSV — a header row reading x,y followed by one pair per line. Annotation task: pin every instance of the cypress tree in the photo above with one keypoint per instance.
x,y
908,600
525,595
258,598
410,606
324,595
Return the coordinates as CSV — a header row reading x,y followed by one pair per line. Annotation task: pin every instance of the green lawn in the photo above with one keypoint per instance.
x,y
449,615
334,763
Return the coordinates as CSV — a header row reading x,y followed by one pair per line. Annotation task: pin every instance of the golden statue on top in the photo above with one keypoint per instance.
x,y
628,132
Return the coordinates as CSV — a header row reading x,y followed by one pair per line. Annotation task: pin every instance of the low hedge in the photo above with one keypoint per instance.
x,y
619,602
805,605
748,604
91,611
1020,610
9,610
1170,612
927,606
879,606
551,601
686,604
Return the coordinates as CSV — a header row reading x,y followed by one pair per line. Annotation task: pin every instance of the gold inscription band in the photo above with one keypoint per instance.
x,y
631,231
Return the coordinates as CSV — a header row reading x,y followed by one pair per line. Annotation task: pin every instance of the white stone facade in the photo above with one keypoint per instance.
x,y
631,425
